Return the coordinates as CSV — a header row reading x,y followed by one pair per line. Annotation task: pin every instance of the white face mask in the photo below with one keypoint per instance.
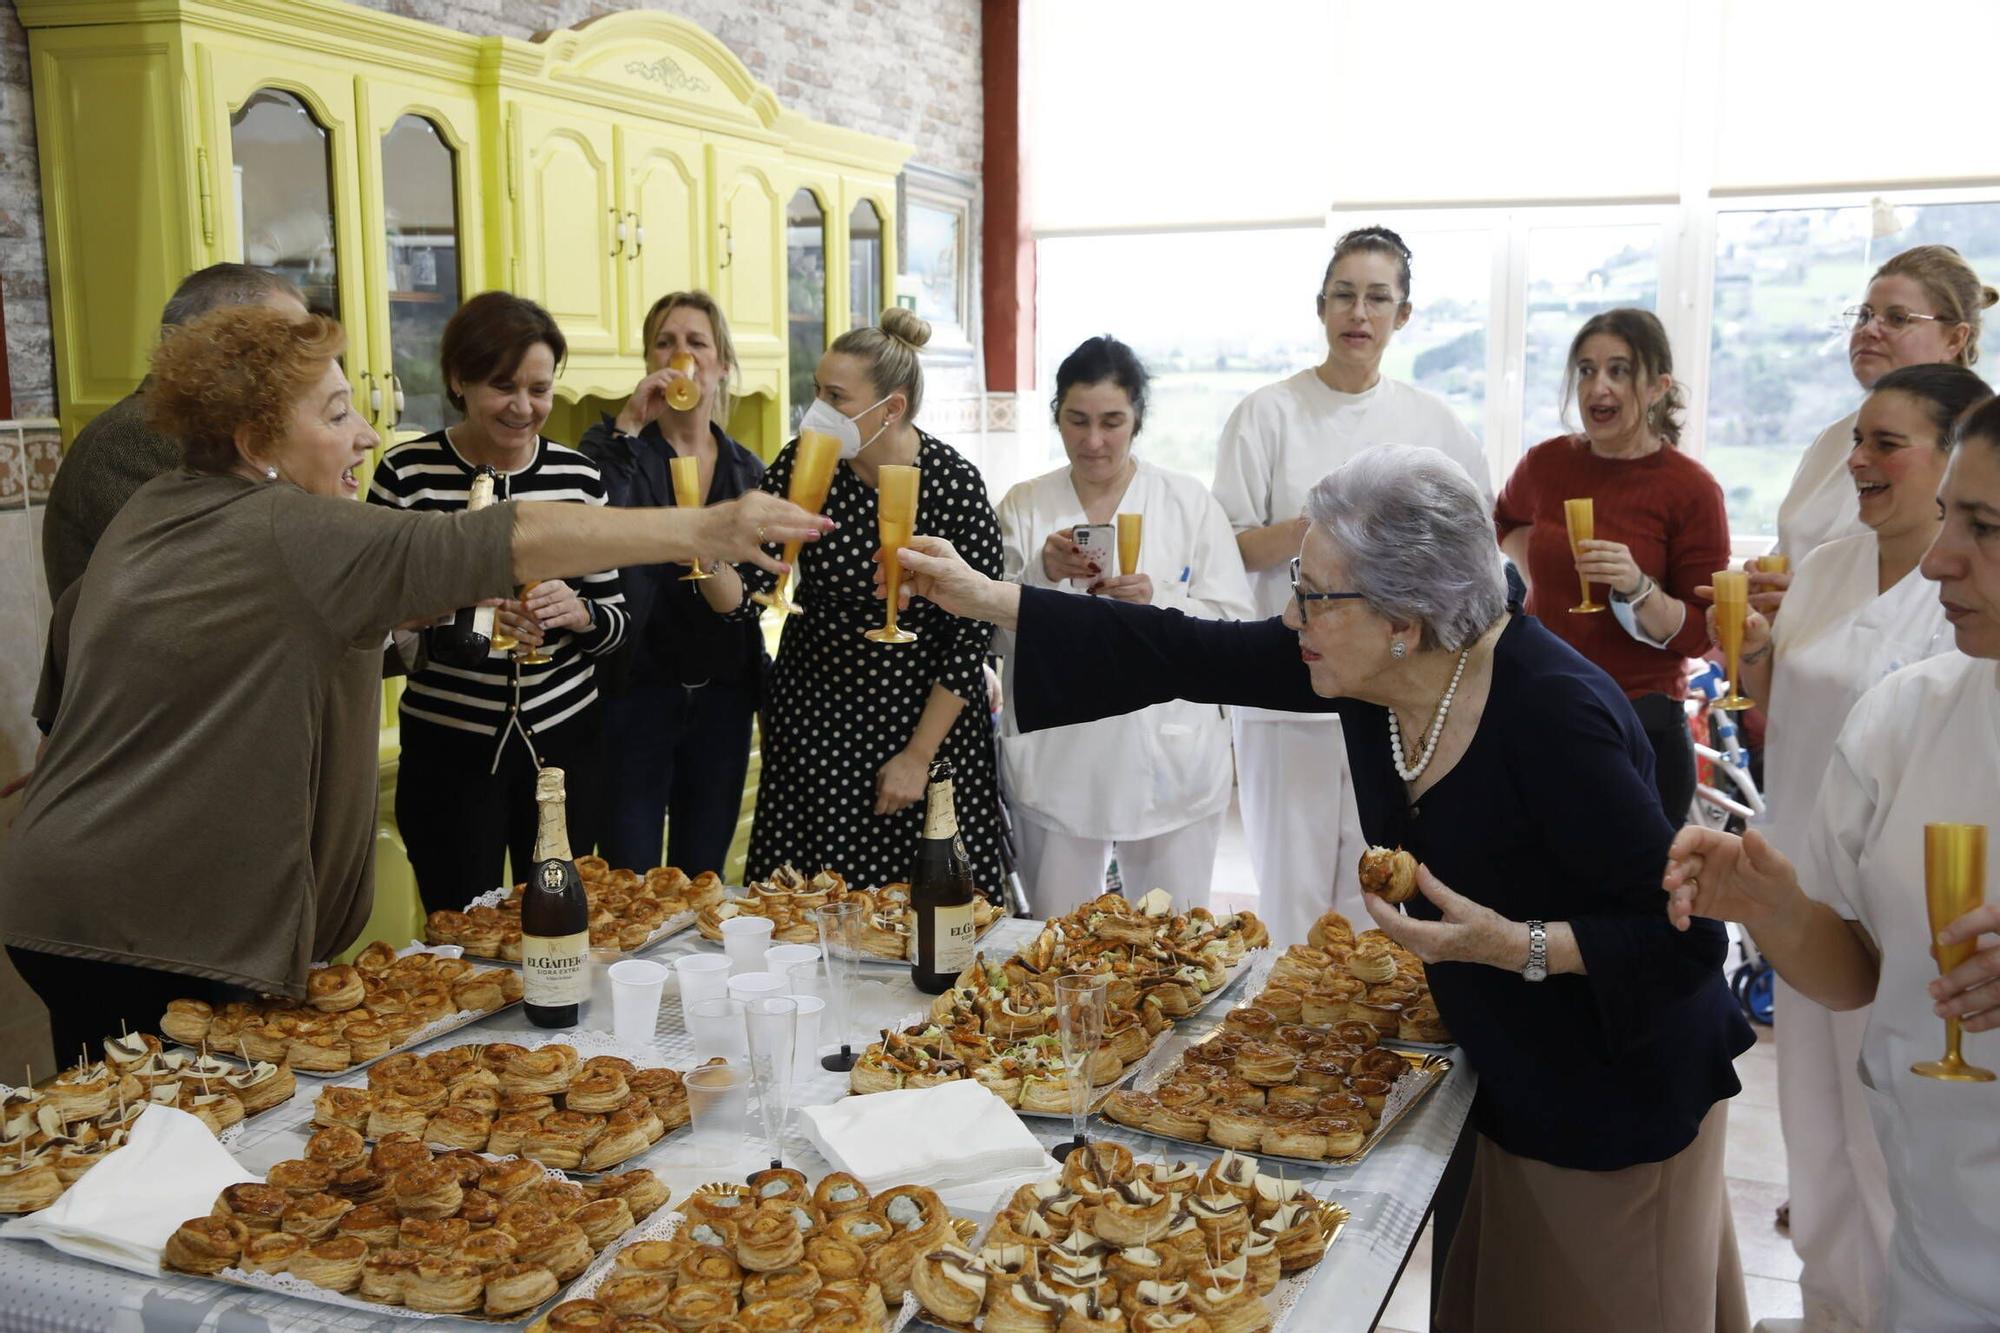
x,y
827,419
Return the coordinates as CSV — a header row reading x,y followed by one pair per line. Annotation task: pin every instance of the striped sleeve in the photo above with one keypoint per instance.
x,y
571,475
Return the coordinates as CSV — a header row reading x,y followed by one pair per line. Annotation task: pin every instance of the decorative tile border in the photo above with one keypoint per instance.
x,y
43,446
1003,411
13,467
30,453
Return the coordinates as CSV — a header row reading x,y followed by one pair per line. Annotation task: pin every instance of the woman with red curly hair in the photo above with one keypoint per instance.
x,y
205,805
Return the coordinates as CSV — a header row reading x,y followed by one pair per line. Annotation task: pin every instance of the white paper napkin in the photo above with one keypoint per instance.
x,y
122,1211
954,1134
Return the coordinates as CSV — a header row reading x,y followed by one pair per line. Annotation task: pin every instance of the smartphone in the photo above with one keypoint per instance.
x,y
1099,542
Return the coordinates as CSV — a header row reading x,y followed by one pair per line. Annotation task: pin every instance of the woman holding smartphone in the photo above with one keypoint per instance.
x,y
1149,787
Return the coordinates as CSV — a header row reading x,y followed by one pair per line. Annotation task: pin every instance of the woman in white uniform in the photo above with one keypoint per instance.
x,y
1922,307
1153,785
1848,926
1858,611
1275,448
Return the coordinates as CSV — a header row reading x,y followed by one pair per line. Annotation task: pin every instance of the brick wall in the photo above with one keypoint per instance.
x,y
906,69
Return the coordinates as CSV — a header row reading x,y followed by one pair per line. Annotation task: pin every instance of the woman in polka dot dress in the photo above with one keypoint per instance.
x,y
851,726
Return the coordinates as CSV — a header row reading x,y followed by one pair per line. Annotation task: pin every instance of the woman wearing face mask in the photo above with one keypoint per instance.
x,y
1276,446
851,727
1150,786
1858,610
472,738
1847,924
1922,307
678,704
1662,531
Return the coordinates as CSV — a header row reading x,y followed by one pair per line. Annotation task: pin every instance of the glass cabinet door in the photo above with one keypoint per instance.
x,y
805,299
284,194
864,261
420,199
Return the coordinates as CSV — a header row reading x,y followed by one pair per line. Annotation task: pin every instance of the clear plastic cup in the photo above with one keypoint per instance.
x,y
636,986
596,1013
805,1060
719,1108
783,958
718,1030
744,939
756,985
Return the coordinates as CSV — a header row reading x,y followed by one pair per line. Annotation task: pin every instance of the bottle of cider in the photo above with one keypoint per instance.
x,y
464,638
940,893
555,917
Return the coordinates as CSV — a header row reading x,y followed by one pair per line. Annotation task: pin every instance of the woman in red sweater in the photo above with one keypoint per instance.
x,y
1661,531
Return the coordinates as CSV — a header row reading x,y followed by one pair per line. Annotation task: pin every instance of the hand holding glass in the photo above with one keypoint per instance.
x,y
896,510
813,462
1732,606
1954,884
687,495
1130,526
534,656
1581,516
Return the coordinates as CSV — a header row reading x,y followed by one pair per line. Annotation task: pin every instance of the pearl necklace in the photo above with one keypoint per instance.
x,y
1413,772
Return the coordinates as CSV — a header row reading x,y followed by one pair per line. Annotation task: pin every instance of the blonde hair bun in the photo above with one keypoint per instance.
x,y
1988,297
906,325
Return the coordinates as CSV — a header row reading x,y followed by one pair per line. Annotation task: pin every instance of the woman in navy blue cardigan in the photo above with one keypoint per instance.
x,y
1517,773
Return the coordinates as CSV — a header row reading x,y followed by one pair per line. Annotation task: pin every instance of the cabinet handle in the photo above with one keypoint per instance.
x,y
728,246
396,400
374,394
618,233
207,196
638,236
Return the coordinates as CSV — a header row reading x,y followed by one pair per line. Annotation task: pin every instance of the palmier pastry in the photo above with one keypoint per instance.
x,y
385,1272
1294,1135
438,1285
1421,1022
481,992
298,1176
1236,1127
373,1224
271,1253
428,1190
597,1090
515,1288
333,990
321,1053
547,1071
339,1146
390,1114
186,1021
603,1221
367,1039
861,1293
642,1293
334,1264
393,1152
511,1179
432,1235
511,1130
1390,875
622,1138
640,1189
1373,1092
478,1096
699,1307
1372,963
769,1240
204,1245
517,1219
259,1207
459,1127
778,1316
562,1249
314,1216
710,1266
561,1197
485,1250
801,1283
585,1316
1265,1064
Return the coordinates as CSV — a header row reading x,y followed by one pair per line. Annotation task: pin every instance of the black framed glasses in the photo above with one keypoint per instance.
x,y
1305,599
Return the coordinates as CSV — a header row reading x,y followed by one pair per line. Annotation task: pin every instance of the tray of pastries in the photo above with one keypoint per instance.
x,y
1338,975
777,1254
56,1132
545,1103
788,898
353,1014
1027,1073
1306,1092
1116,1244
397,1225
629,911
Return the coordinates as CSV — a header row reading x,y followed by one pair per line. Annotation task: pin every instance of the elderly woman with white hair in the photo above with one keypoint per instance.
x,y
1517,773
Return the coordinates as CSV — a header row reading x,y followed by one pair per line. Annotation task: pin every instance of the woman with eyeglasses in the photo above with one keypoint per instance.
x,y
1277,444
1922,306
1661,531
1514,771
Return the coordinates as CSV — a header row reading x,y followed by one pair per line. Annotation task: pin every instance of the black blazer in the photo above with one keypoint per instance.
x,y
1550,814
674,638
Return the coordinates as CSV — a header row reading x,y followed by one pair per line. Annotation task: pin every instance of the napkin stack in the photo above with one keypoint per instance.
x,y
122,1211
955,1134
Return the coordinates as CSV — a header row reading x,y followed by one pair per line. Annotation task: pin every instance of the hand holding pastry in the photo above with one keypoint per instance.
x,y
1388,874
1468,932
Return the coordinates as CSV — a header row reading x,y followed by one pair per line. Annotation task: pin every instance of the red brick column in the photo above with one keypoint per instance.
x,y
1007,283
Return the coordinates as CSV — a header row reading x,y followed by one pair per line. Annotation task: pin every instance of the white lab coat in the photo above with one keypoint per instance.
x,y
1837,638
1299,819
1923,746
1161,768
1820,504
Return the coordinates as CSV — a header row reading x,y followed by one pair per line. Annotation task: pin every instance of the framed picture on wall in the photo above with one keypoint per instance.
x,y
937,214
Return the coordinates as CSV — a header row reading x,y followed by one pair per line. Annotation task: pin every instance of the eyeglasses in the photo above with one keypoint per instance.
x,y
1305,599
1895,319
1341,300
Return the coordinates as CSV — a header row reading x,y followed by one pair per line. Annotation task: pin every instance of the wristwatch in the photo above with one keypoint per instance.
x,y
1538,953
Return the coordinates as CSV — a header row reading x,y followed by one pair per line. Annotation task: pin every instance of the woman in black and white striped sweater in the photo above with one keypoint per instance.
x,y
472,739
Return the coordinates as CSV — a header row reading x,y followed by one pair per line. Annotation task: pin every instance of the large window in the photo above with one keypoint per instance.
x,y
1574,272
1777,360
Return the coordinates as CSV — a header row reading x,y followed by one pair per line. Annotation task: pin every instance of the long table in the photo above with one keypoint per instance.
x,y
1389,1194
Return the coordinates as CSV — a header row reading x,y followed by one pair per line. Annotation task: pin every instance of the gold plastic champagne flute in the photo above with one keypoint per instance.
x,y
896,522
813,461
1732,604
1774,564
534,656
682,394
1130,526
1954,884
687,495
1581,516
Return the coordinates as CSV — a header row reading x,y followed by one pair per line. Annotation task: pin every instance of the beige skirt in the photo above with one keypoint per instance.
x,y
1550,1249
